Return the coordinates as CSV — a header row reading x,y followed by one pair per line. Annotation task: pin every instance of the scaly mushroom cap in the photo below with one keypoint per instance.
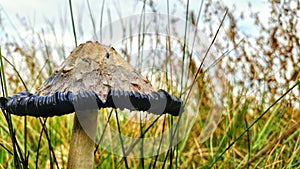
x,y
95,67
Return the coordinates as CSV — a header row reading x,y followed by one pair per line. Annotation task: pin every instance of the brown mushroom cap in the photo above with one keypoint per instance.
x,y
93,66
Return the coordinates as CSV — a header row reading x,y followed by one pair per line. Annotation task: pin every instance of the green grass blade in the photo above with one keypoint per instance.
x,y
73,23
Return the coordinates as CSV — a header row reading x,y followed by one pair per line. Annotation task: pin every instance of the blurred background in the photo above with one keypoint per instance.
x,y
252,63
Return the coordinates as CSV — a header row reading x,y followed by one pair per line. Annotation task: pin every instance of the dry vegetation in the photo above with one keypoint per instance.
x,y
252,132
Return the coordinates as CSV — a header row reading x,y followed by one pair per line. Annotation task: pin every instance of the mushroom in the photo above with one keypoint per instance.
x,y
93,76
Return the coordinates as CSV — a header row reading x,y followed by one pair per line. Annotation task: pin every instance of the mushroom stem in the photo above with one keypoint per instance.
x,y
81,152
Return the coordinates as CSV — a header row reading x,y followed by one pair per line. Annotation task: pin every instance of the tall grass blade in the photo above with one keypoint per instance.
x,y
255,121
73,23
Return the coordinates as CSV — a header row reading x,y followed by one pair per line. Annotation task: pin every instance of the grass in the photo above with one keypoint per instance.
x,y
253,132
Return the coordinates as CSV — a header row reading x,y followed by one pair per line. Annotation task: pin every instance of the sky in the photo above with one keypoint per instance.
x,y
35,12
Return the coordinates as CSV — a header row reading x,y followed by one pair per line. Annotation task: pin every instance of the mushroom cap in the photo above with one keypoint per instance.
x,y
95,67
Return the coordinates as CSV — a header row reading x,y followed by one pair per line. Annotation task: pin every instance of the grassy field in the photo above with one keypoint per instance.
x,y
257,127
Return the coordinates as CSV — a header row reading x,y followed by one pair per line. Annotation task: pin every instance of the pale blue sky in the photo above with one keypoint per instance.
x,y
36,11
